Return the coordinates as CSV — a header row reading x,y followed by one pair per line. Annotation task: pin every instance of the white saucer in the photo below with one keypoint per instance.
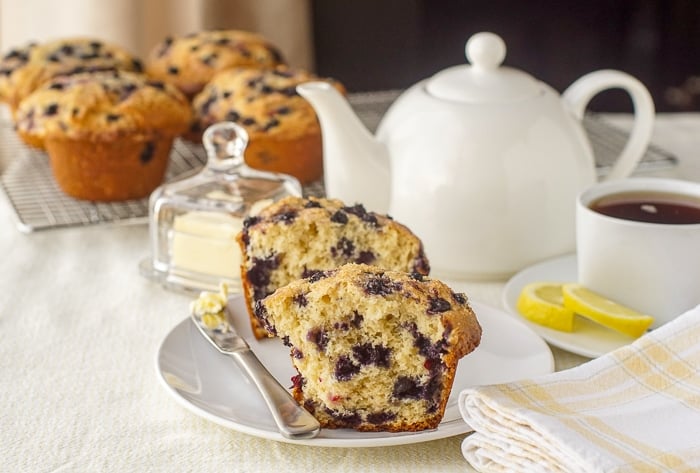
x,y
211,385
588,339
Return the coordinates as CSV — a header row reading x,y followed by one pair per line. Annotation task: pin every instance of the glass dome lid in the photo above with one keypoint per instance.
x,y
193,222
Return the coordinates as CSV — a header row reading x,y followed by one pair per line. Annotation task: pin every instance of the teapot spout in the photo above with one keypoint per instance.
x,y
355,164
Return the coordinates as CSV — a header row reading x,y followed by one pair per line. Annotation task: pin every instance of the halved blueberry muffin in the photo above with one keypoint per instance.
x,y
375,350
298,237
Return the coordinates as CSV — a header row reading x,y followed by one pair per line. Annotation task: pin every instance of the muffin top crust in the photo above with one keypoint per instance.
x,y
191,61
103,105
262,101
26,68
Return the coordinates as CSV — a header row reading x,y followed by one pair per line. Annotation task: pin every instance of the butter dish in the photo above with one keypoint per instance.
x,y
193,222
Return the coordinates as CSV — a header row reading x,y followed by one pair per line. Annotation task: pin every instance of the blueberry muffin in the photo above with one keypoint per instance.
x,y
191,61
108,134
375,350
285,135
24,69
298,237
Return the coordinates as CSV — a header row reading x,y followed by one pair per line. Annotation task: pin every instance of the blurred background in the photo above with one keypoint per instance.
x,y
394,43
390,44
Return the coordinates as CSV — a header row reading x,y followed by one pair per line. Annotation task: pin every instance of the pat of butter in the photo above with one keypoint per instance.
x,y
210,306
205,242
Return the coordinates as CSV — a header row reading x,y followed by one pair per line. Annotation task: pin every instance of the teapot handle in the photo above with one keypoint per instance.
x,y
582,91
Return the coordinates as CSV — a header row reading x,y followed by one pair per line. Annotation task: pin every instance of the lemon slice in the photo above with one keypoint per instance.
x,y
602,310
543,303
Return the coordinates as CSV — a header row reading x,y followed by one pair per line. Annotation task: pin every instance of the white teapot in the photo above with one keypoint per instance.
x,y
483,162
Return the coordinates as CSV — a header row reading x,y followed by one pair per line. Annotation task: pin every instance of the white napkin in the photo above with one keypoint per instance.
x,y
636,409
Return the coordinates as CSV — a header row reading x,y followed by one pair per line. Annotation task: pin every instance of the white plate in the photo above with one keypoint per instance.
x,y
212,386
588,338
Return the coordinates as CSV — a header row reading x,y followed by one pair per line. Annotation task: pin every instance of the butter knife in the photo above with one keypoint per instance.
x,y
293,421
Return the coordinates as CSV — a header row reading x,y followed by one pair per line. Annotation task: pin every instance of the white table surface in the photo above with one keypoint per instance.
x,y
79,330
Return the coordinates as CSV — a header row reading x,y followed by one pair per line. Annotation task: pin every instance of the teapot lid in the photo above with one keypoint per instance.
x,y
485,80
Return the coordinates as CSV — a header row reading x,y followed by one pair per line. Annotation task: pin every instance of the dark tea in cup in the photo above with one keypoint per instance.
x,y
649,206
638,243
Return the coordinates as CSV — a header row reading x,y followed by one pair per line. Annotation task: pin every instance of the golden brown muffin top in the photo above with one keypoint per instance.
x,y
191,61
26,68
103,105
264,102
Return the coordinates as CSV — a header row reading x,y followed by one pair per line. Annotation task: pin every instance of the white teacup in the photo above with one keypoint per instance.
x,y
651,267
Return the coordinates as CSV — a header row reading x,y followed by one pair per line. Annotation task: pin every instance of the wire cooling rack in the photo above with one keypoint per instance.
x,y
39,204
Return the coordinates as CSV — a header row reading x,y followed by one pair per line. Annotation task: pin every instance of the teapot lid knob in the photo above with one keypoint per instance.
x,y
485,50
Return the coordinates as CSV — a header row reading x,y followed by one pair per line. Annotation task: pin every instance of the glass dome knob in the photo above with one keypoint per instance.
x,y
225,143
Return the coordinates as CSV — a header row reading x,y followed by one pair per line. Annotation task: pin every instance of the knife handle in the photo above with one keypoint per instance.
x,y
293,421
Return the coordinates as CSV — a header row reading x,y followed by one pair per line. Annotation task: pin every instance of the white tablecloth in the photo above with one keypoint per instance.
x,y
79,330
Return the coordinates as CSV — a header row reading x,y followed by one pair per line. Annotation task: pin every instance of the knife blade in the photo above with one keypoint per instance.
x,y
293,421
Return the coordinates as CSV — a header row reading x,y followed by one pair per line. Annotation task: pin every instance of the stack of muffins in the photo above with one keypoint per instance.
x,y
108,123
241,77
